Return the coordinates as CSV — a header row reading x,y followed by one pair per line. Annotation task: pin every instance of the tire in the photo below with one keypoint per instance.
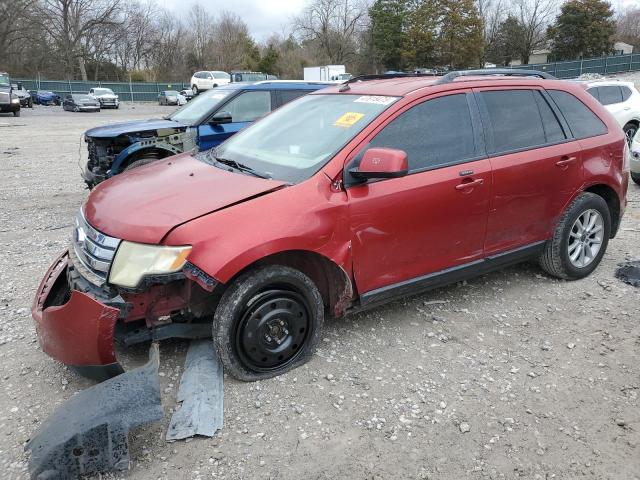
x,y
139,163
16,113
76,109
195,90
630,130
30,103
635,177
286,311
555,259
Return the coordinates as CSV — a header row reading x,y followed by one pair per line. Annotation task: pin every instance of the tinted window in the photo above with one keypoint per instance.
x,y
594,93
610,95
626,93
436,132
582,121
553,131
249,106
288,95
515,119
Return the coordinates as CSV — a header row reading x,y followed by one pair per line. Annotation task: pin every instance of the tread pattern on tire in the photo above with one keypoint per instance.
x,y
550,259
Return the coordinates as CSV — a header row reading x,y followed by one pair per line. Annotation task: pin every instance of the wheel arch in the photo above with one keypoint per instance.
x,y
613,202
333,282
133,152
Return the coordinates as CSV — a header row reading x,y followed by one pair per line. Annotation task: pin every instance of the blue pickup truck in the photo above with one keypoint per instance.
x,y
205,122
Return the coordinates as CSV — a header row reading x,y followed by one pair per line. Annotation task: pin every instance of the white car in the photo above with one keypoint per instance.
x,y
207,80
622,99
105,96
635,159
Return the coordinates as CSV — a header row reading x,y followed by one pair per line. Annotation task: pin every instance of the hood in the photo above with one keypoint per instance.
x,y
106,95
115,129
46,94
144,204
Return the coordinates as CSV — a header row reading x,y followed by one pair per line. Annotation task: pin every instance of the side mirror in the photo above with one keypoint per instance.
x,y
220,118
381,163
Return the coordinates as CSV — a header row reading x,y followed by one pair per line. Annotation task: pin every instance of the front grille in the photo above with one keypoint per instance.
x,y
94,250
4,97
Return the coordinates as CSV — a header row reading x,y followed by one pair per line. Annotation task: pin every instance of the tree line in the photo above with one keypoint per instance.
x,y
139,40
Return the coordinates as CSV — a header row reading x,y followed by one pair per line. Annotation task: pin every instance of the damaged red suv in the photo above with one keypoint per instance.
x,y
339,201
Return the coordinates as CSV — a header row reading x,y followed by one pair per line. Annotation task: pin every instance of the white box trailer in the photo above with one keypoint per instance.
x,y
325,73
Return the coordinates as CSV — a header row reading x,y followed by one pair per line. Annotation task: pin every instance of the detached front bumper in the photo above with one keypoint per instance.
x,y
73,327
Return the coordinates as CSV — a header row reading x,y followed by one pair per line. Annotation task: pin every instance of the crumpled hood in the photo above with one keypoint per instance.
x,y
144,204
135,126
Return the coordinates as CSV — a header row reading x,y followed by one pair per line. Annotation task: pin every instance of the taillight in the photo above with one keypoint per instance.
x,y
626,159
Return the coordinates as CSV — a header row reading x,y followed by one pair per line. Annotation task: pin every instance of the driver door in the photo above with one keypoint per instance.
x,y
432,222
244,108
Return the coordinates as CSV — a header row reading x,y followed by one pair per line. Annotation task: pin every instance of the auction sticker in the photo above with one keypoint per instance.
x,y
376,99
348,120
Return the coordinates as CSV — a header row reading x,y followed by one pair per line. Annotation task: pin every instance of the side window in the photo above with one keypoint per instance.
x,y
626,93
249,106
434,133
553,131
287,96
610,95
515,119
582,121
594,92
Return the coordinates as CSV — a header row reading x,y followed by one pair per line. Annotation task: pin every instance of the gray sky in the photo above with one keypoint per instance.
x,y
262,16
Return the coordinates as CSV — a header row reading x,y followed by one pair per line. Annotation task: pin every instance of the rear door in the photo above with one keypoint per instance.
x,y
244,108
535,163
434,218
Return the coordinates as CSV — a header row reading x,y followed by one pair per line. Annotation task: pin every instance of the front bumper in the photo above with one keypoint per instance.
x,y
73,327
89,108
9,107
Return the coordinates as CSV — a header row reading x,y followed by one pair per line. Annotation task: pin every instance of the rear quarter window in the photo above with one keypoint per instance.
x,y
582,121
610,95
626,93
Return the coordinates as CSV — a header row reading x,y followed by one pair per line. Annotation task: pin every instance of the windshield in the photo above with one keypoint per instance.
x,y
171,93
82,97
221,75
102,91
295,141
4,80
193,112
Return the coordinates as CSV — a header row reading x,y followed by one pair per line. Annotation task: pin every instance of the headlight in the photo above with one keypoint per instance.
x,y
133,261
15,98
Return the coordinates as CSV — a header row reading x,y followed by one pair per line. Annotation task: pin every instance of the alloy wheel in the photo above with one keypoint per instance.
x,y
585,238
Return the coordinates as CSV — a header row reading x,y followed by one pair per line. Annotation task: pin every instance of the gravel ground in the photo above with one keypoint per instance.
x,y
510,375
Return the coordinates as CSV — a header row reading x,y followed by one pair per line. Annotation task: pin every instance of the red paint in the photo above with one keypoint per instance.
x,y
384,160
78,333
379,233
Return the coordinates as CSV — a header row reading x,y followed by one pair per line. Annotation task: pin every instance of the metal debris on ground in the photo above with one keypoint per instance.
x,y
629,272
201,393
88,434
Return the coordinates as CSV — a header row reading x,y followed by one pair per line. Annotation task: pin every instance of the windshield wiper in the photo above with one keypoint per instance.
x,y
240,166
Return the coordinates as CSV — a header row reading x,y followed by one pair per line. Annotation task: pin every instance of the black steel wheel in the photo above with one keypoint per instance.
x,y
268,322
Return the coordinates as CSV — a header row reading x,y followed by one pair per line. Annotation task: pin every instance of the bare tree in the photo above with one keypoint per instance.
x,y
201,27
534,16
492,13
334,25
628,27
69,22
231,40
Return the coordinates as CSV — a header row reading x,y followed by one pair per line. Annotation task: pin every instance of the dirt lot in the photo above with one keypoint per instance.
x,y
543,374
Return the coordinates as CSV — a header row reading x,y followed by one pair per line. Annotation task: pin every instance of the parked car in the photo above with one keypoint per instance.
x,y
187,93
105,96
253,77
9,101
342,200
169,97
45,97
23,95
635,158
80,102
205,122
622,100
201,81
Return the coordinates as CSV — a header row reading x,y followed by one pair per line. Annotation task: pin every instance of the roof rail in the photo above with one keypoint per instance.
x,y
503,72
382,76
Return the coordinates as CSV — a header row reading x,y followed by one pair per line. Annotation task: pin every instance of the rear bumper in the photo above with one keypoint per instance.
x,y
79,332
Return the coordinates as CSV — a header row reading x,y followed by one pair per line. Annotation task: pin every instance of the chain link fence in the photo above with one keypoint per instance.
x,y
126,91
601,65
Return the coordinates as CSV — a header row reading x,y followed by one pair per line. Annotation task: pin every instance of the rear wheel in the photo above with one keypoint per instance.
x,y
635,177
195,90
630,130
268,322
580,239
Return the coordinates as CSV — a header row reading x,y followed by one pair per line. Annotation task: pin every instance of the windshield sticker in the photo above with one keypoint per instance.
x,y
348,120
376,99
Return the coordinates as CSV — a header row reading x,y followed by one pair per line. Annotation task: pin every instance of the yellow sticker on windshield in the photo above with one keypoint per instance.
x,y
348,120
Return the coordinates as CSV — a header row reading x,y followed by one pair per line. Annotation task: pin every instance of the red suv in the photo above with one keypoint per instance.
x,y
344,199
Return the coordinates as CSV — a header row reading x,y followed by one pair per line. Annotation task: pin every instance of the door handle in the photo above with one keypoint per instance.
x,y
473,183
565,161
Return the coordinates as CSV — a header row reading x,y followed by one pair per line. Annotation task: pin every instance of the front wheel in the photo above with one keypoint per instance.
x,y
268,322
580,238
16,113
635,177
30,103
